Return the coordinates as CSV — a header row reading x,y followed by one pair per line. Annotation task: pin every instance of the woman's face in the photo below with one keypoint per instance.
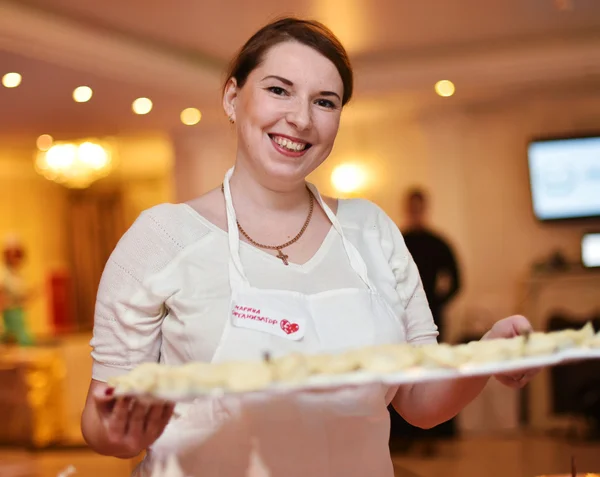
x,y
287,114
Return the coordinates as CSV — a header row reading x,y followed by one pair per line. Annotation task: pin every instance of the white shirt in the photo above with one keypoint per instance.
x,y
164,294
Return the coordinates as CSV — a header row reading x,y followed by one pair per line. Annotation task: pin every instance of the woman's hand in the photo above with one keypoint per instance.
x,y
509,328
129,425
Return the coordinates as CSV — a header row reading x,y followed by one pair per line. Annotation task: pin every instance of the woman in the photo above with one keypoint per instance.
x,y
332,275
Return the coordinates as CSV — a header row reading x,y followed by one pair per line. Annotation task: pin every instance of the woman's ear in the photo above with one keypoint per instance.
x,y
229,99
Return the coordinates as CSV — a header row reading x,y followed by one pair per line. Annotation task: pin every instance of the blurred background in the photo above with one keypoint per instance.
x,y
489,112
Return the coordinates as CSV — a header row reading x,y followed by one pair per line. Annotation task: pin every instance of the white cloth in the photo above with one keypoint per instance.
x,y
373,295
14,287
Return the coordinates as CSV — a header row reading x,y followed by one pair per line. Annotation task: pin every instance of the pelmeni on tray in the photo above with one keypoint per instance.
x,y
373,363
539,343
202,376
334,363
244,376
142,379
388,358
440,356
291,368
494,350
594,342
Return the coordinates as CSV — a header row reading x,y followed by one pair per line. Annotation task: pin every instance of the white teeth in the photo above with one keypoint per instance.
x,y
291,145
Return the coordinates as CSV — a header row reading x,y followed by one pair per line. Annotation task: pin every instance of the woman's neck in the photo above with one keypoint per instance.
x,y
263,196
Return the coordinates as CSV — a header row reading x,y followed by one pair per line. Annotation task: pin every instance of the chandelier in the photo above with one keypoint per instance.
x,y
75,165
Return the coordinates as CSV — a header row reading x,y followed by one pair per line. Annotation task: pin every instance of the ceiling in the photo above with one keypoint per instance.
x,y
216,28
43,103
176,52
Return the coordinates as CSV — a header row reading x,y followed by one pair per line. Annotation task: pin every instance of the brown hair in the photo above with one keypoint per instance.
x,y
308,32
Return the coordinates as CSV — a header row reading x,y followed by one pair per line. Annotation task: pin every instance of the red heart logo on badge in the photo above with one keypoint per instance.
x,y
289,327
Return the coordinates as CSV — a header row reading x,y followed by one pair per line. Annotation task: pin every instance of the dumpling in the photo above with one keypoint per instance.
x,y
248,376
293,367
389,358
539,344
440,355
514,347
495,350
466,351
594,342
175,379
204,376
585,334
142,379
338,363
564,339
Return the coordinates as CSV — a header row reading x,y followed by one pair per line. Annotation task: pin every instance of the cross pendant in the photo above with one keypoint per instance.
x,y
282,256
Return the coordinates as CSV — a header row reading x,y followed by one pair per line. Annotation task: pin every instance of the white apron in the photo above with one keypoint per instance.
x,y
318,434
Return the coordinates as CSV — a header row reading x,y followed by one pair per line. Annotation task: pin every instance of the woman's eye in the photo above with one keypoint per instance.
x,y
277,90
325,103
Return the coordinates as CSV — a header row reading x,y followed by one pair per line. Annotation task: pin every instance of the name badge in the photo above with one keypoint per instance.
x,y
269,321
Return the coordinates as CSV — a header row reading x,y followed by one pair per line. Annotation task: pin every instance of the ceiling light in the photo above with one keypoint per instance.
x,y
11,80
44,142
82,94
190,116
142,106
445,88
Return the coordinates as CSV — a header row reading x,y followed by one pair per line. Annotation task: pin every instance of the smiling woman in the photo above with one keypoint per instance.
x,y
286,89
287,117
322,275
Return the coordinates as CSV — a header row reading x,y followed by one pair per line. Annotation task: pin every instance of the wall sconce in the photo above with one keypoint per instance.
x,y
348,178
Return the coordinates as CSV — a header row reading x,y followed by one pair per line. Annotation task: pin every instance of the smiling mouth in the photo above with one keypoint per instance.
x,y
288,144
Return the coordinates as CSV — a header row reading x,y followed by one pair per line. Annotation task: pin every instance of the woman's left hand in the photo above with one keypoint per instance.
x,y
509,328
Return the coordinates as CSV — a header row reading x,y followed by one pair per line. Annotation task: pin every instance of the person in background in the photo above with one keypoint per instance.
x,y
434,257
440,276
14,293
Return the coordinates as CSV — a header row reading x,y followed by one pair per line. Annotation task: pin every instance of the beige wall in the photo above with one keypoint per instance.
x,y
472,159
483,199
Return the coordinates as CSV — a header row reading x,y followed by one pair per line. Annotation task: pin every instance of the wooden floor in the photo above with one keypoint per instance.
x,y
523,456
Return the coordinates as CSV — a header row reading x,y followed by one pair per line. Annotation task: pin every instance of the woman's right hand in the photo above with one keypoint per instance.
x,y
130,425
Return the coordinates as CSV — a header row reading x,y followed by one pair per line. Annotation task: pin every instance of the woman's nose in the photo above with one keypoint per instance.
x,y
300,115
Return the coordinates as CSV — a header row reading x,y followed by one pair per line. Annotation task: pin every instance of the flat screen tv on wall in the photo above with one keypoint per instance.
x,y
564,175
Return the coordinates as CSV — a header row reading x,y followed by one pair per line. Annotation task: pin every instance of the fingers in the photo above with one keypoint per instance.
x,y
510,381
135,424
103,395
517,380
521,324
509,327
118,420
168,409
137,420
157,419
530,374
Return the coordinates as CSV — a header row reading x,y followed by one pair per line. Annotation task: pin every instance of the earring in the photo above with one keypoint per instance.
x,y
231,120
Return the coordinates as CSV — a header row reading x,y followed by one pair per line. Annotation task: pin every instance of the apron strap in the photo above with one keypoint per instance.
x,y
236,269
237,276
356,261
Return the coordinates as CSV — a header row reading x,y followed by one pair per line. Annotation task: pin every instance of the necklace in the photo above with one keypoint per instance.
x,y
282,256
